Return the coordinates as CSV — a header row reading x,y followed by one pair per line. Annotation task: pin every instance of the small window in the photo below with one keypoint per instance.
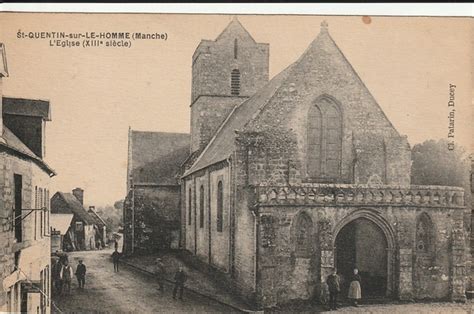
x,y
79,226
201,207
235,82
220,206
235,48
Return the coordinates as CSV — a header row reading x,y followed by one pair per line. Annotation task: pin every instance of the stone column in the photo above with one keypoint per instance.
x,y
405,282
326,249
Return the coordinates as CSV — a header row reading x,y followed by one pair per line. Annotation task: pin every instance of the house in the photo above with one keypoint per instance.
x,y
101,226
305,172
152,206
59,226
25,209
82,230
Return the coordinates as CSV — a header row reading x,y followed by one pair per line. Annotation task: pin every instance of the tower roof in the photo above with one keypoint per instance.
x,y
233,29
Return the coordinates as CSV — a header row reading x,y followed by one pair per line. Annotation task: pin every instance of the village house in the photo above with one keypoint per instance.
x,y
25,208
152,207
290,177
101,227
81,234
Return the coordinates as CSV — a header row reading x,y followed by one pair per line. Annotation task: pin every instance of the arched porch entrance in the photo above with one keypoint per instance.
x,y
364,240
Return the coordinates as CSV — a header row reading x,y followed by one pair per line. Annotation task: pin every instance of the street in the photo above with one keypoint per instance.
x,y
125,291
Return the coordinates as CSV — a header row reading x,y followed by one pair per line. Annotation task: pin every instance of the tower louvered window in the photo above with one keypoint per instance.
x,y
235,82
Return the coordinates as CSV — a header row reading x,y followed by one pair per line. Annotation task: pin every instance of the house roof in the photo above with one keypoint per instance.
x,y
222,144
97,219
3,63
76,207
27,107
61,222
11,141
157,156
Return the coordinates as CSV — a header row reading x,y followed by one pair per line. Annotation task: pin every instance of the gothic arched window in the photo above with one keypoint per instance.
x,y
324,140
190,211
424,234
220,206
303,229
235,82
201,207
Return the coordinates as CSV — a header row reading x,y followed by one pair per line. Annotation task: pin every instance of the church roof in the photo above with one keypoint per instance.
x,y
156,157
244,117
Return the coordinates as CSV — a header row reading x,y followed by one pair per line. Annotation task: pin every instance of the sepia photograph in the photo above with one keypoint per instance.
x,y
236,163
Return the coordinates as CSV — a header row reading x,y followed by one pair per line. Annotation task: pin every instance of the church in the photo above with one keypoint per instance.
x,y
292,176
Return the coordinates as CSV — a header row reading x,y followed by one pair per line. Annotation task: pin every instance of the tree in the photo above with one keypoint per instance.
x,y
434,164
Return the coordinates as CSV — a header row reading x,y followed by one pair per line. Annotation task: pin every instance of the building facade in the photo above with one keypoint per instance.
x,y
24,198
303,173
81,234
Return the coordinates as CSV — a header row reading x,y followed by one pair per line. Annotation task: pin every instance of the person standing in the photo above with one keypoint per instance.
x,y
116,259
179,279
333,283
354,288
160,274
56,276
81,274
66,276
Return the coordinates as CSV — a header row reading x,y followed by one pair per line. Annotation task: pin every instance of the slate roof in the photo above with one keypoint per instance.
x,y
222,144
76,207
157,156
61,222
14,143
27,107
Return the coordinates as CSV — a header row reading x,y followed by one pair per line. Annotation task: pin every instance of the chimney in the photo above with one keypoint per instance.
x,y
79,194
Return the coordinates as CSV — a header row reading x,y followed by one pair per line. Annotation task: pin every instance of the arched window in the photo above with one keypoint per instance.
x,y
324,140
424,234
220,206
235,48
190,211
235,82
201,207
303,229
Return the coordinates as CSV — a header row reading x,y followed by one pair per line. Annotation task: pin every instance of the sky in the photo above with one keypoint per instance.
x,y
96,94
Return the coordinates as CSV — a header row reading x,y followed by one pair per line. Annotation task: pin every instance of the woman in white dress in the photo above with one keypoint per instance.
x,y
354,288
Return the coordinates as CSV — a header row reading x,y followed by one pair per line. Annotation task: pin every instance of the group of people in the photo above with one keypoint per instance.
x,y
62,274
180,278
334,286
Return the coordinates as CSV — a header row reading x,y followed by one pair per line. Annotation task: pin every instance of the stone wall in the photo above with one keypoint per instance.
x,y
33,252
412,272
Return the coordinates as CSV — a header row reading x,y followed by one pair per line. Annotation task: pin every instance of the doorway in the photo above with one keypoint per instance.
x,y
362,244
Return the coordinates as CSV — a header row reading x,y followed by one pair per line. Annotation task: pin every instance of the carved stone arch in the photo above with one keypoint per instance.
x,y
382,223
324,135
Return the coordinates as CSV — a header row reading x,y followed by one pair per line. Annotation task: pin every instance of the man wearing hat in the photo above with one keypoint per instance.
x,y
160,273
81,274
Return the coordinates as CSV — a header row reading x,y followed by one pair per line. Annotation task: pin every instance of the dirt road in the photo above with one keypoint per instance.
x,y
125,292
